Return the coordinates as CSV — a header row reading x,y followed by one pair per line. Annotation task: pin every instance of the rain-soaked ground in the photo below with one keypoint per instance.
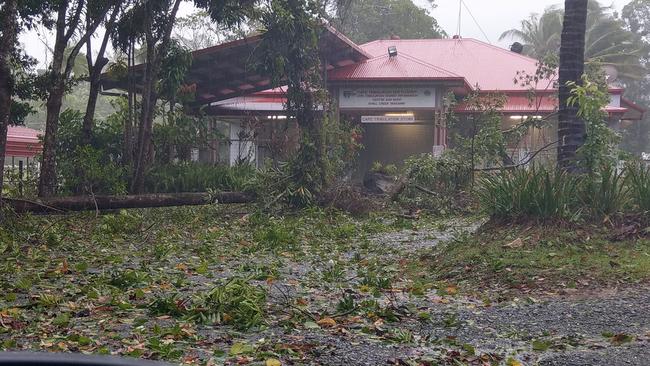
x,y
338,291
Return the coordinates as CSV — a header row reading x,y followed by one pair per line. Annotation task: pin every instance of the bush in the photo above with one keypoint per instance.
x,y
604,193
195,177
538,193
638,180
94,169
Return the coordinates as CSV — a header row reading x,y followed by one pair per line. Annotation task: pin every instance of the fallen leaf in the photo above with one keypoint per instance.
x,y
517,243
273,362
327,322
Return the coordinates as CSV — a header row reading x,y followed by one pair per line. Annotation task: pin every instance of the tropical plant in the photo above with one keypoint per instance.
x,y
604,192
196,177
538,193
638,177
607,40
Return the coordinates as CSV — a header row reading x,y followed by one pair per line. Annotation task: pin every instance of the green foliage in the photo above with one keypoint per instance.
x,y
477,139
176,61
196,177
370,20
601,144
93,169
639,184
538,193
604,192
446,177
235,302
378,167
276,235
289,52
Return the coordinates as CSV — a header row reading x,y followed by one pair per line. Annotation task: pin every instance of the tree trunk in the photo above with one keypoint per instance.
x,y
7,43
571,129
144,154
89,203
95,70
55,92
47,182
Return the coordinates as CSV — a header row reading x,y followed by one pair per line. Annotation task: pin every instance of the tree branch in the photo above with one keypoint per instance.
x,y
510,167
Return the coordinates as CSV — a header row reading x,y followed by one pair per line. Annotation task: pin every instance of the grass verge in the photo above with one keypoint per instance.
x,y
546,257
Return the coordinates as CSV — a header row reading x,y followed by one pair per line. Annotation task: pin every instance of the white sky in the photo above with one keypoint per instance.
x,y
493,16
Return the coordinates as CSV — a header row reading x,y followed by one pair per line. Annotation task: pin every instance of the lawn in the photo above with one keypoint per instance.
x,y
554,258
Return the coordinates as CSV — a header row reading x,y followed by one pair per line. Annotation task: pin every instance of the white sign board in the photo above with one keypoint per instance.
x,y
388,119
387,97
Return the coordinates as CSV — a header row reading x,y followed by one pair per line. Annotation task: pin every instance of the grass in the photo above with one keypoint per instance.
x,y
550,257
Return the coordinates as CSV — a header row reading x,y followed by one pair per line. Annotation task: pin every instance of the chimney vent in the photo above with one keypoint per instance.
x,y
392,51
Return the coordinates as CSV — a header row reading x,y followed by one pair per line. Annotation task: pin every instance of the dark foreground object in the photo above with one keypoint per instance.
x,y
90,203
61,359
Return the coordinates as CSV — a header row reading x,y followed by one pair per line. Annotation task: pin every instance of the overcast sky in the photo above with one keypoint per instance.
x,y
493,16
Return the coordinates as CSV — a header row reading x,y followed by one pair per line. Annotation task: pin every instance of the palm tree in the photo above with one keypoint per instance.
x,y
607,41
571,129
540,34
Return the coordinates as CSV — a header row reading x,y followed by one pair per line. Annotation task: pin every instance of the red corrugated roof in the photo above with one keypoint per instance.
x,y
384,67
23,141
488,67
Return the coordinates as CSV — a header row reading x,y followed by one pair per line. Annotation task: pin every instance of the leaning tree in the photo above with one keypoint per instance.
x,y
571,128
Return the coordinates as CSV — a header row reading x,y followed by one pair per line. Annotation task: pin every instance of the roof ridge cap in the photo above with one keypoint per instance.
x,y
478,41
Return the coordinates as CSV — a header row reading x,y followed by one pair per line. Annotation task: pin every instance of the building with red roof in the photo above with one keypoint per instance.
x,y
395,89
23,144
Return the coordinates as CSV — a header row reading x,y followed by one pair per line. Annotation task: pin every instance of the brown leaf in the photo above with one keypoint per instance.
x,y
327,322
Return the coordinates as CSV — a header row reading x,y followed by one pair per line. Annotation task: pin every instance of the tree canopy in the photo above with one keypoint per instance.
x,y
369,20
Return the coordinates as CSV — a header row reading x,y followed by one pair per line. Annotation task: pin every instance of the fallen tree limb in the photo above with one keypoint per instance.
x,y
88,203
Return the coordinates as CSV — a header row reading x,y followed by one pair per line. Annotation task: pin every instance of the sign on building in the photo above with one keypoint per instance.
x,y
388,119
387,97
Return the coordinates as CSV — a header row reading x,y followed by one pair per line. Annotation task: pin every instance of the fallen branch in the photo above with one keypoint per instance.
x,y
528,160
86,203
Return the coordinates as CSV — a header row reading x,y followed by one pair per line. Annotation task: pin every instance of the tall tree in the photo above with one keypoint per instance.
x,y
369,20
8,36
14,17
571,129
68,24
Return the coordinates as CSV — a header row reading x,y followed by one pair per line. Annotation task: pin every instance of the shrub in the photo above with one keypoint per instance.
x,y
638,180
447,177
236,302
196,177
604,193
538,193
